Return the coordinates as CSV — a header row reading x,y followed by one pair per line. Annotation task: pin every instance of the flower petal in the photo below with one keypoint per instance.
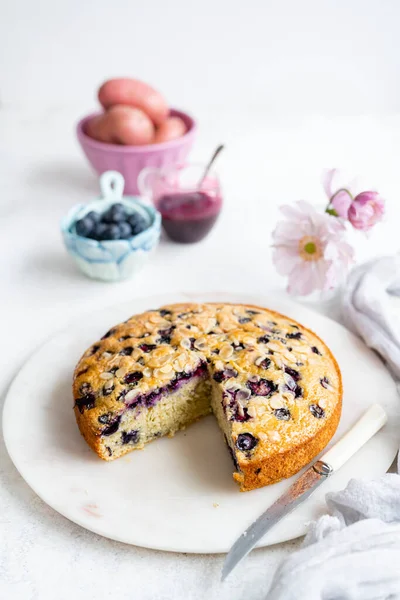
x,y
341,203
302,280
284,259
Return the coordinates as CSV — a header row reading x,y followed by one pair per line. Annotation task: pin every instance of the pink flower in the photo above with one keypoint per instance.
x,y
310,249
339,191
366,210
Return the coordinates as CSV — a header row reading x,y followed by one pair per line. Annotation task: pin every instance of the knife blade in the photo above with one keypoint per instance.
x,y
371,422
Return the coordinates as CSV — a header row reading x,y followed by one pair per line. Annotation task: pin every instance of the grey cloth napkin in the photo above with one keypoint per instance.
x,y
354,552
368,307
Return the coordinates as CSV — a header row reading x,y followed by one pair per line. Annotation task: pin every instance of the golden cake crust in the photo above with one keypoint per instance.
x,y
283,386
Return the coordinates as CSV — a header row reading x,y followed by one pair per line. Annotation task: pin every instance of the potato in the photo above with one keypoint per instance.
x,y
122,125
98,128
172,128
130,126
135,93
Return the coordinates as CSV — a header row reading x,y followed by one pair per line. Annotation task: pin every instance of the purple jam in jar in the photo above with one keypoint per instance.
x,y
188,217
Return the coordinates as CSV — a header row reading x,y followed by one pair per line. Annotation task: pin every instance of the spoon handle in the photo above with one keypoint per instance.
x,y
210,164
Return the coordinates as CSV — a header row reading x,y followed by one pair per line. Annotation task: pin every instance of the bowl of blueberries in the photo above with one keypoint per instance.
x,y
112,237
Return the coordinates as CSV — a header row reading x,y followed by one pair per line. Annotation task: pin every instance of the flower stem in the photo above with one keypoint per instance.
x,y
334,196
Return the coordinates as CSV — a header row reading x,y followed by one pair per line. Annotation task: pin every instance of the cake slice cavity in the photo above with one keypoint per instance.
x,y
173,411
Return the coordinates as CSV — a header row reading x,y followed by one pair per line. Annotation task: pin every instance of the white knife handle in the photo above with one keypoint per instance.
x,y
371,422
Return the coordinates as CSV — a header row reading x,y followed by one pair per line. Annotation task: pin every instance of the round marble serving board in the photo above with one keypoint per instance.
x,y
178,493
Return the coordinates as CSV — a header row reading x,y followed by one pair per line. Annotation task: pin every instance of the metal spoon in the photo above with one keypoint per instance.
x,y
210,164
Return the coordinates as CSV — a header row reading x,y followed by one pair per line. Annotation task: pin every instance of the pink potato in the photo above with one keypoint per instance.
x,y
171,129
122,125
98,128
135,93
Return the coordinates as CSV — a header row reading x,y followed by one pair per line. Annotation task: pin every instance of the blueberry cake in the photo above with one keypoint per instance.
x,y
272,384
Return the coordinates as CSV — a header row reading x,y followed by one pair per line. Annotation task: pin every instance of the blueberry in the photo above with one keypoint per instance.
x,y
164,312
104,419
166,336
114,214
137,223
85,402
153,398
147,347
299,392
221,376
108,390
118,207
263,340
125,230
133,377
126,351
293,373
325,383
252,312
98,231
241,416
290,384
283,414
109,450
111,232
262,387
246,442
84,227
243,320
265,364
167,331
175,383
317,411
112,428
238,346
107,335
315,350
95,216
130,437
85,388
294,336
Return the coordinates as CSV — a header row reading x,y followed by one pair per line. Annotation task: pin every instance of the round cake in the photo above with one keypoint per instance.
x,y
272,384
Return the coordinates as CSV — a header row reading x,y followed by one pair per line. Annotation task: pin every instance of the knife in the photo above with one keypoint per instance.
x,y
371,422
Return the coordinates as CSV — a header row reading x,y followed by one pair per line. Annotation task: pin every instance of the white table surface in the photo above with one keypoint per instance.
x,y
42,173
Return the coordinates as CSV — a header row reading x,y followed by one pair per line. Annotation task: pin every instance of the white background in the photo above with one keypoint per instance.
x,y
290,87
314,56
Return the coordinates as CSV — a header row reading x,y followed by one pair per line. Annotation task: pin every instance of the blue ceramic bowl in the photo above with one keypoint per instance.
x,y
111,260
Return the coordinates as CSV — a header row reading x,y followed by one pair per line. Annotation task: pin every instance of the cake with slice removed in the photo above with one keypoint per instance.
x,y
272,384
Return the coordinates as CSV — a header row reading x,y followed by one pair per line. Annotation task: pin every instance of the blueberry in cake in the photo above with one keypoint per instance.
x,y
272,384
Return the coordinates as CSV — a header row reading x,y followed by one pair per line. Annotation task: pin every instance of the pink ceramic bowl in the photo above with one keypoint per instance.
x,y
130,160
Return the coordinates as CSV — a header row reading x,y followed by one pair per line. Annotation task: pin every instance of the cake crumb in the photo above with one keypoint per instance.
x,y
215,505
